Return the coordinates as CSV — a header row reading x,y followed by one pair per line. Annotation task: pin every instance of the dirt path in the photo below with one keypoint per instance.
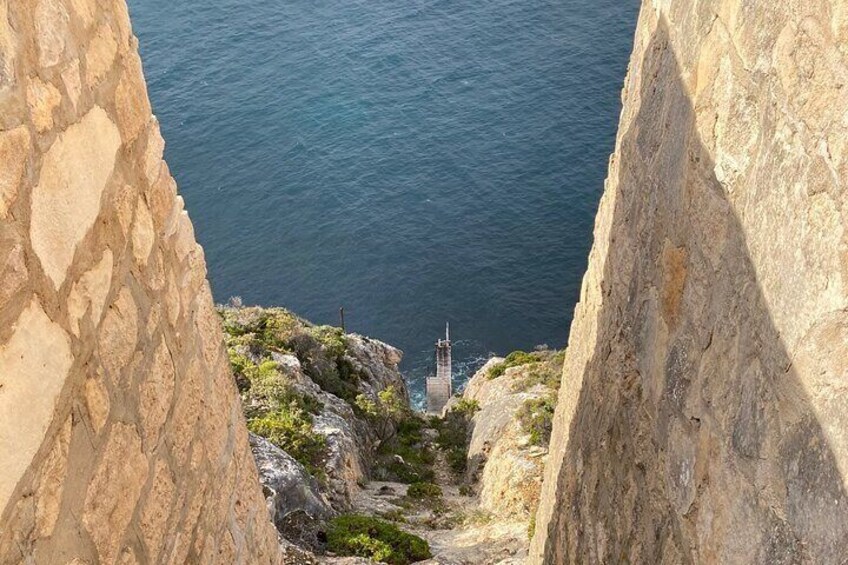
x,y
458,532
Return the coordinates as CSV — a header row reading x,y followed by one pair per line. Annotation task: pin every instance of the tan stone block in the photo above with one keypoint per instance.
x,y
227,548
100,55
34,364
85,10
127,557
208,325
42,99
156,271
172,222
8,49
96,401
122,21
66,200
73,82
90,291
155,395
153,319
161,198
142,233
154,152
185,419
123,205
158,507
184,241
131,102
118,334
13,270
172,301
114,491
14,151
186,529
51,31
53,475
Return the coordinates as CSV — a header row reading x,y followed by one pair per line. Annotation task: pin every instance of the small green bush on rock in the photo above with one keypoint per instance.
x,y
421,491
372,538
536,417
291,430
514,359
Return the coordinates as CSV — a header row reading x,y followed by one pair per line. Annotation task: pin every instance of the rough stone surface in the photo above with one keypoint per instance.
x,y
157,511
118,333
66,200
294,498
34,364
42,98
96,402
53,479
119,442
142,234
90,291
507,470
14,149
702,412
115,490
51,31
100,55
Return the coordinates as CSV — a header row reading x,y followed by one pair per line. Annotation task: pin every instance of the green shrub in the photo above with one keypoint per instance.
x,y
547,372
408,444
291,430
453,435
536,417
421,491
466,407
376,539
531,527
514,359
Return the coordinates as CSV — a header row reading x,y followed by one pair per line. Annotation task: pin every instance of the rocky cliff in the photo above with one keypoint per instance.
x,y
702,415
121,435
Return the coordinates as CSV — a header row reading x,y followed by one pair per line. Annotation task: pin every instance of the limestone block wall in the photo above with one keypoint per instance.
x,y
121,435
703,415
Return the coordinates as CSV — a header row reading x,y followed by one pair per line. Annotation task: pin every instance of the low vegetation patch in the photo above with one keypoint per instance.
x,y
453,434
514,359
421,491
276,411
547,371
536,417
321,350
372,538
406,457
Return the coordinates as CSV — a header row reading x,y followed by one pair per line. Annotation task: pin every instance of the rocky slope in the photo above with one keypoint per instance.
x,y
702,416
313,393
335,441
510,433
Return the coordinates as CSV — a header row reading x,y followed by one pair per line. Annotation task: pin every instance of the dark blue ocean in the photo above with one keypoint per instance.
x,y
415,161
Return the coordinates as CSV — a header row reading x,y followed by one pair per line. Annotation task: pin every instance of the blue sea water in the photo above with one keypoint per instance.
x,y
415,161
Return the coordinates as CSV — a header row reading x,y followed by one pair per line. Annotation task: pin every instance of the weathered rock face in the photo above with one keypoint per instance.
x,y
294,497
328,367
121,435
507,469
702,416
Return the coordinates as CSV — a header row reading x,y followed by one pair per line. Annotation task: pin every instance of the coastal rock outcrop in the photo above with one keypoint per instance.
x,y
309,389
702,414
297,505
506,454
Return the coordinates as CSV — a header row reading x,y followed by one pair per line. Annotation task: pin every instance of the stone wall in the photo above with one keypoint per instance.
x,y
703,415
121,434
